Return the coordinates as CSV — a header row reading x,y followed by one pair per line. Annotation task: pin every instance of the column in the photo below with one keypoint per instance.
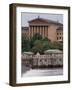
x,y
34,30
29,31
43,31
37,29
47,31
40,30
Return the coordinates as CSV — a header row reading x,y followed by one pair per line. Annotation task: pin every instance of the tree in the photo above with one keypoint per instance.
x,y
38,46
25,43
60,46
36,36
56,45
46,39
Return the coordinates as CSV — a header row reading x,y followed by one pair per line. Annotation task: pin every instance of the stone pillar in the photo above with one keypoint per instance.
x,y
33,30
43,31
40,30
47,31
36,29
29,31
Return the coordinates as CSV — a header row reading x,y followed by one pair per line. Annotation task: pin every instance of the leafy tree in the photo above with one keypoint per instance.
x,y
56,45
39,44
60,46
46,39
25,43
36,36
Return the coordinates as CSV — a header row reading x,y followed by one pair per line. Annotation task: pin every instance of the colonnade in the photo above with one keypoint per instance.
x,y
41,29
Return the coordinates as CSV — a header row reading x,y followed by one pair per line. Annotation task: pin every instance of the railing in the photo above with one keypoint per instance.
x,y
42,56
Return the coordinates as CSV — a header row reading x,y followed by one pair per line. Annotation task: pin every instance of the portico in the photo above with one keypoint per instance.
x,y
41,29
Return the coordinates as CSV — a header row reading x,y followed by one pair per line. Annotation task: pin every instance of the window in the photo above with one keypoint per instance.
x,y
60,37
57,38
57,33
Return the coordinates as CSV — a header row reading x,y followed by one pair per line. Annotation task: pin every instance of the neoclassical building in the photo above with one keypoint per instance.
x,y
47,28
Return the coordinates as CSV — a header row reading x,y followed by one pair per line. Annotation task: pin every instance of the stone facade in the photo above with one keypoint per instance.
x,y
47,28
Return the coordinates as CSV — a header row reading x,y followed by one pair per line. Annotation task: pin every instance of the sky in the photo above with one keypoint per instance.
x,y
25,17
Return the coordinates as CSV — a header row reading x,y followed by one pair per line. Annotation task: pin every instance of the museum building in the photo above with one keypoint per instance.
x,y
47,28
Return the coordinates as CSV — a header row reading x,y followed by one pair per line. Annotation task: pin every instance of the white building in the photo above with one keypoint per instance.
x,y
51,58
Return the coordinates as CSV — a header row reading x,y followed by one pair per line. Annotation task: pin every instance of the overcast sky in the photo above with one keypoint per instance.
x,y
25,17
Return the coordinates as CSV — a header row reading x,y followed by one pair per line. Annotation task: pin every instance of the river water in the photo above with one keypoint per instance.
x,y
27,72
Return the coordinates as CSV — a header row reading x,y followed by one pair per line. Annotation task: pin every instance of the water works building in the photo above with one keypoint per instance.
x,y
51,58
47,28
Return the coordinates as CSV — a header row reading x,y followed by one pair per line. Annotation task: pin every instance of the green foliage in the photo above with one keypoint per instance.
x,y
39,44
60,46
25,43
46,39
37,36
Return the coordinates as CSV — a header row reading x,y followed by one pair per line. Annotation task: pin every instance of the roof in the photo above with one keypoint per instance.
x,y
53,51
45,21
28,53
